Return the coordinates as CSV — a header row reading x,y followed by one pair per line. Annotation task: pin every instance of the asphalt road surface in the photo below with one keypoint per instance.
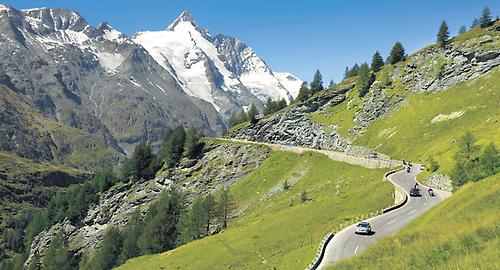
x,y
346,243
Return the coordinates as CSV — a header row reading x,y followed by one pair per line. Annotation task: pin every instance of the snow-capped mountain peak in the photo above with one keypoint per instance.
x,y
221,70
185,16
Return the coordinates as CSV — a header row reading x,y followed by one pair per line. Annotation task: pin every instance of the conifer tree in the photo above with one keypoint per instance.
x,y
354,70
485,19
173,146
107,256
317,83
138,166
489,161
462,30
130,236
443,35
57,256
397,54
346,72
224,206
364,80
209,208
303,92
377,62
193,147
331,84
253,113
475,23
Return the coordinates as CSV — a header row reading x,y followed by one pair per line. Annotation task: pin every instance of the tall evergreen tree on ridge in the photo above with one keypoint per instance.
x,y
365,79
304,92
317,83
346,72
354,70
377,62
397,54
485,19
475,23
462,30
443,35
253,113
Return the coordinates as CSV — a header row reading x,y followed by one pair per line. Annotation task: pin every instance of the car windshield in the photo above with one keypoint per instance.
x,y
363,225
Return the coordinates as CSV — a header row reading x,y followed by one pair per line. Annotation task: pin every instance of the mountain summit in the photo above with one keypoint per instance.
x,y
220,70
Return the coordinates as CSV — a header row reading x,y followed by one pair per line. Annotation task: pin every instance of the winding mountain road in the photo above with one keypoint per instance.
x,y
346,243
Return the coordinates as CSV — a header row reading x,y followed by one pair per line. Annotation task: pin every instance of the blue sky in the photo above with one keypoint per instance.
x,y
295,36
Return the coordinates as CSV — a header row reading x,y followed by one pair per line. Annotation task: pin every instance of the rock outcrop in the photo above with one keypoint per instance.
x,y
293,127
221,166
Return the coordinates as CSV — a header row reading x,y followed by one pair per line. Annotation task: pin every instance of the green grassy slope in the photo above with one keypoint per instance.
x,y
276,229
463,232
411,133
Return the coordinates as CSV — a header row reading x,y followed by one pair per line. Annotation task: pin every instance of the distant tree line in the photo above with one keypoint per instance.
x,y
244,116
273,106
471,164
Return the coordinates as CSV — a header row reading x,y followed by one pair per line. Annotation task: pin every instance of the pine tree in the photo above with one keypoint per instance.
x,y
303,92
131,234
173,146
224,206
270,107
209,208
443,35
397,54
193,147
364,80
354,70
467,149
462,30
253,113
317,83
377,62
192,222
138,166
489,161
331,84
57,256
485,19
458,174
475,23
346,72
161,224
107,256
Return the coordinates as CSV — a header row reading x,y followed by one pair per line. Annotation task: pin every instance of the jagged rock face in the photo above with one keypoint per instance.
x,y
294,127
221,166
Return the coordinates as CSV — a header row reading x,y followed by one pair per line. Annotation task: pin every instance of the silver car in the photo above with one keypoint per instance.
x,y
363,228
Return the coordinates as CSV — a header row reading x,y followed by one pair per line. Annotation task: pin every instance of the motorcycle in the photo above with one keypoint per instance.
x,y
431,192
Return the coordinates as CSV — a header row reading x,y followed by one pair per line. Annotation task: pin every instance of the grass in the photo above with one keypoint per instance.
x,y
409,133
463,232
275,229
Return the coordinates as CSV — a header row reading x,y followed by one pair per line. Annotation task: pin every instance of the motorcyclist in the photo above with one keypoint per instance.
x,y
431,192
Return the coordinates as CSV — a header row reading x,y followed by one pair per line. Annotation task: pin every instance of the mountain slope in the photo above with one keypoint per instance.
x,y
98,80
460,233
221,70
276,229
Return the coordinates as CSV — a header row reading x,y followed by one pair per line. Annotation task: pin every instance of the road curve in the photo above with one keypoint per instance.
x,y
346,243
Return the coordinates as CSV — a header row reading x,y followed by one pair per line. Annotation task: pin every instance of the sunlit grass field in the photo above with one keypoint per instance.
x,y
276,229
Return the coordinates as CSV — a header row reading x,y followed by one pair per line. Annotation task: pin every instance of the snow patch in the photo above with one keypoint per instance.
x,y
290,82
445,117
110,61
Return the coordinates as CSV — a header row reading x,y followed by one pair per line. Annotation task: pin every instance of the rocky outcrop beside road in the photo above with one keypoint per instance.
x,y
293,127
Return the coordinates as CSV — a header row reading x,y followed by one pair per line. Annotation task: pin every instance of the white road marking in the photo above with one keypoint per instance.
x,y
425,203
392,221
356,250
413,211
